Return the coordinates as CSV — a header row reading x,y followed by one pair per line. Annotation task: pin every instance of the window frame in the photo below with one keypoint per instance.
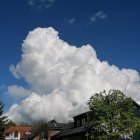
x,y
7,135
78,123
16,135
83,121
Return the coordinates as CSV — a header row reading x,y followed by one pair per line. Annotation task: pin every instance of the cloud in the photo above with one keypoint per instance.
x,y
98,16
62,78
41,4
18,91
69,21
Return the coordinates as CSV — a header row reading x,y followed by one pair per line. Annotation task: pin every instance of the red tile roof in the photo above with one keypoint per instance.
x,y
21,129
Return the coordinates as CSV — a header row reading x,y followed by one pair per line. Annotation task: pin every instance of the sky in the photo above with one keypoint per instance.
x,y
55,54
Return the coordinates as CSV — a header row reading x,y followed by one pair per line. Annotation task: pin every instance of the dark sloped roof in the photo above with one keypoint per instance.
x,y
136,104
81,114
72,131
53,125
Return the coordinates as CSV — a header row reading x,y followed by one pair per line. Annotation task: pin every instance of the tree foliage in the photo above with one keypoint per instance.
x,y
112,116
10,123
3,120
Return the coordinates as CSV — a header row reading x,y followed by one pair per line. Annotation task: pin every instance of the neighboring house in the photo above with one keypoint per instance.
x,y
77,132
17,133
53,128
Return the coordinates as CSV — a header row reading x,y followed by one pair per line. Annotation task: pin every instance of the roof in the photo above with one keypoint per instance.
x,y
21,129
53,125
136,104
84,113
72,131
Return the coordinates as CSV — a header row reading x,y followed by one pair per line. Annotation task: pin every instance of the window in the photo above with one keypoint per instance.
x,y
78,123
16,134
83,121
88,118
7,134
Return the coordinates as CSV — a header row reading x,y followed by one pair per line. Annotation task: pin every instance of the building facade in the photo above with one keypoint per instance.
x,y
77,131
17,133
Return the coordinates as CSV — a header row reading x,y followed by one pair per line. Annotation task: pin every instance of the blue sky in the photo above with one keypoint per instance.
x,y
112,27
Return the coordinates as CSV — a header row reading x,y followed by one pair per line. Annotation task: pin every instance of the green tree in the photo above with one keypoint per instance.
x,y
40,129
10,123
112,116
3,120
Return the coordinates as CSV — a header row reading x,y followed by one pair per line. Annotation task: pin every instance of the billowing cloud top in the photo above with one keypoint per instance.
x,y
63,77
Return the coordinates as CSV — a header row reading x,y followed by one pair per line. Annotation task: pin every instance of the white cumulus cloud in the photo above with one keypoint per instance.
x,y
18,91
63,77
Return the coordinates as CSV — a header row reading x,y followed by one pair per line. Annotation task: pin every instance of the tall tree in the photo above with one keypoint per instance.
x,y
3,120
112,116
40,129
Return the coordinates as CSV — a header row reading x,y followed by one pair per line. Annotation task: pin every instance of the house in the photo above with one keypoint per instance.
x,y
53,128
77,132
17,132
25,132
81,125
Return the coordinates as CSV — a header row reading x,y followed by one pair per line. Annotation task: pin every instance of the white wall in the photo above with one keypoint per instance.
x,y
11,137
